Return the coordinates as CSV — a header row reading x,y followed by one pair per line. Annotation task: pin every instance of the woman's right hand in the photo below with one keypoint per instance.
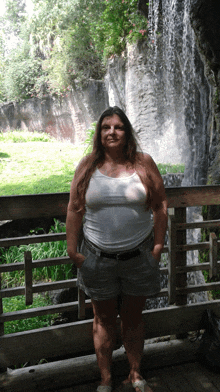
x,y
77,258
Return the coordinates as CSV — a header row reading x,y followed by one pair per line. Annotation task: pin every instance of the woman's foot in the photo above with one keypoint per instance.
x,y
138,383
141,386
104,388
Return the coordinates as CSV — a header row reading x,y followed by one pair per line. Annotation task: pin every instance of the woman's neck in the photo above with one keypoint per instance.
x,y
115,158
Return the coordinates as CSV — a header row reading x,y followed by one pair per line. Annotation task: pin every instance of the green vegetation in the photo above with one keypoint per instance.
x,y
45,166
16,278
39,251
18,303
62,42
166,168
18,136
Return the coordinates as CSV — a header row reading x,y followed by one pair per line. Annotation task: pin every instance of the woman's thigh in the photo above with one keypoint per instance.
x,y
105,311
131,308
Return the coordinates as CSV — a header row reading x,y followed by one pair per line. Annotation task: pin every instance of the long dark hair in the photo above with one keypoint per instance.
x,y
97,157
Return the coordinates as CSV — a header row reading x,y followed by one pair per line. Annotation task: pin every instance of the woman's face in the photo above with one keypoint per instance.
x,y
113,133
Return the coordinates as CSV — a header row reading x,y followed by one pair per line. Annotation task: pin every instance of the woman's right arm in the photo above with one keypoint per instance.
x,y
74,222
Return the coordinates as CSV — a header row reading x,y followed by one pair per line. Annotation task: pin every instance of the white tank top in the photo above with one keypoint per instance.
x,y
116,218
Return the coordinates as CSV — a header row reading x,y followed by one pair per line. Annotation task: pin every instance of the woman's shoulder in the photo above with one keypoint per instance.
x,y
145,158
83,162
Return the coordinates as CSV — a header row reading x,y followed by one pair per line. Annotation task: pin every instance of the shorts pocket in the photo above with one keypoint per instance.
x,y
84,262
152,261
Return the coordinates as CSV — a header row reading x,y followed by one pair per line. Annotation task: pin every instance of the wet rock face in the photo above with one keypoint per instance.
x,y
204,17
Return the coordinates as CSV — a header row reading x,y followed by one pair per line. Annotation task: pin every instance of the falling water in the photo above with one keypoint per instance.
x,y
181,91
183,100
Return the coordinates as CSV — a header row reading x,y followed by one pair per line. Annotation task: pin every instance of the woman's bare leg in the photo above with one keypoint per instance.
x,y
133,334
104,333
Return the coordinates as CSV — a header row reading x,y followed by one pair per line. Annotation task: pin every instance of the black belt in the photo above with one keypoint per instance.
x,y
118,256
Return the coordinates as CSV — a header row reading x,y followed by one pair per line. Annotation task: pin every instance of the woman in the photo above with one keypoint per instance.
x,y
116,189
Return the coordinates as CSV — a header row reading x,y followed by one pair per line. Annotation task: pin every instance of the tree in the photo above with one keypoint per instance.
x,y
15,15
65,41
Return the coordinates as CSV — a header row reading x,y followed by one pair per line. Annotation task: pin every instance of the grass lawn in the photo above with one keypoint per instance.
x,y
37,167
32,163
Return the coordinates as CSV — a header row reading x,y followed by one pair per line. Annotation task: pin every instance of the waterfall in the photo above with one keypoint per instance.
x,y
182,96
182,93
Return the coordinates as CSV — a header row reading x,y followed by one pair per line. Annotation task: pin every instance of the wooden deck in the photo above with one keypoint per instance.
x,y
189,377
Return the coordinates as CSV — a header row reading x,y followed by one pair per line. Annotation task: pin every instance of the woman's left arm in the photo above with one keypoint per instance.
x,y
159,207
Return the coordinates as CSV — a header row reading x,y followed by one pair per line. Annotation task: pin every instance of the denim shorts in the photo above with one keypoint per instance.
x,y
102,278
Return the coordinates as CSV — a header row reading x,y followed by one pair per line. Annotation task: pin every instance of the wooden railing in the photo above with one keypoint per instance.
x,y
76,337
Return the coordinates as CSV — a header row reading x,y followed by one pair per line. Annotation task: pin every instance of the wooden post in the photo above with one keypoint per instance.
x,y
171,260
213,249
1,310
28,278
181,279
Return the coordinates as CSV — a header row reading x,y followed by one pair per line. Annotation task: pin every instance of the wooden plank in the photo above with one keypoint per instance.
x,y
39,288
36,264
33,206
175,380
201,225
76,337
28,278
32,239
55,204
193,246
181,278
211,375
213,255
157,381
50,342
200,287
41,311
176,319
171,260
195,267
193,196
199,381
72,372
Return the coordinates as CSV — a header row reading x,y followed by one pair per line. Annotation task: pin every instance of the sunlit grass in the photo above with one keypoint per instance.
x,y
33,163
166,168
36,167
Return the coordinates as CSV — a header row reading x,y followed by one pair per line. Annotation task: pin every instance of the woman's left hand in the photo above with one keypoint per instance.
x,y
156,252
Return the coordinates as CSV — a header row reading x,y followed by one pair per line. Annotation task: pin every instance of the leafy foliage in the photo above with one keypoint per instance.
x,y
65,42
15,254
18,303
25,136
22,73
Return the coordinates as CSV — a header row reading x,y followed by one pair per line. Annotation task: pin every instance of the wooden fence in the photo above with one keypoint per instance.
x,y
76,337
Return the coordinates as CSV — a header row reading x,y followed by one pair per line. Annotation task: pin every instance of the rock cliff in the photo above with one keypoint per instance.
x,y
67,118
204,18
